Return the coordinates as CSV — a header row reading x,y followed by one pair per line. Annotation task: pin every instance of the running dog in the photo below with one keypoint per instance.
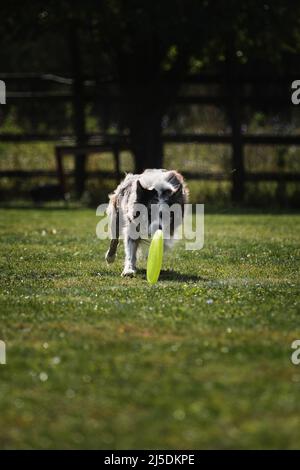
x,y
154,191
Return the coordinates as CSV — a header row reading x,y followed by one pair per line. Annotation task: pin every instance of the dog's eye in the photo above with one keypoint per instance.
x,y
167,193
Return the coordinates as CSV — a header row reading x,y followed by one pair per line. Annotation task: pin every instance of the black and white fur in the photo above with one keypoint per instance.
x,y
155,186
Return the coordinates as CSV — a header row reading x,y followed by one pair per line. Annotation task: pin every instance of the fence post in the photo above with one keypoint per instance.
x,y
238,169
234,94
78,111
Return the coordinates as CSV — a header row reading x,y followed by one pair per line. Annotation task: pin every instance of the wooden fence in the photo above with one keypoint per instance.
x,y
81,92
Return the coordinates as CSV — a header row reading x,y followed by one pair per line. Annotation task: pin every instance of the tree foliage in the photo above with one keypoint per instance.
x,y
144,49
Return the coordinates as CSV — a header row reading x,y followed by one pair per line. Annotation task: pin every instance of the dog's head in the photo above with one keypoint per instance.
x,y
163,195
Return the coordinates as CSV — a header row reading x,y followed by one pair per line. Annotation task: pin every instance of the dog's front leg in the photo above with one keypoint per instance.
x,y
130,246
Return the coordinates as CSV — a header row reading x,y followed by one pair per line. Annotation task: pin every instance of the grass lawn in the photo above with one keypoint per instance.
x,y
201,360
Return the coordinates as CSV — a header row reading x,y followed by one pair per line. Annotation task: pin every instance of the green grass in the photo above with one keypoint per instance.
x,y
134,366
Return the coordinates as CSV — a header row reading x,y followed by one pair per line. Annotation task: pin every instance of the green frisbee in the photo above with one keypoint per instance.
x,y
155,257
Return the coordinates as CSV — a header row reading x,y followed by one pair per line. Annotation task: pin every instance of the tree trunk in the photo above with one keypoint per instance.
x,y
78,111
234,93
146,140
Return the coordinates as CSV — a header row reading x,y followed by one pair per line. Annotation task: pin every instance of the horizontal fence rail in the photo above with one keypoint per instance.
x,y
274,101
226,139
65,91
254,177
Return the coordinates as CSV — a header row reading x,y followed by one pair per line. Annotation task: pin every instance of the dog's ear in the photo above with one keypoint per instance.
x,y
144,194
180,193
177,193
174,178
178,190
140,188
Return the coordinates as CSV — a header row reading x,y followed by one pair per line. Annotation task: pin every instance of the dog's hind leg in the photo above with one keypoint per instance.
x,y
112,251
114,221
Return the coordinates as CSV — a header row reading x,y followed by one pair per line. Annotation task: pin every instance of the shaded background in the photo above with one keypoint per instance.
x,y
203,358
95,89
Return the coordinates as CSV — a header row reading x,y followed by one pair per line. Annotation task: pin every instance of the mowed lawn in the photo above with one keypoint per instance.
x,y
200,360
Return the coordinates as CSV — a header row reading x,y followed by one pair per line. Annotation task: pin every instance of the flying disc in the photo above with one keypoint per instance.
x,y
155,257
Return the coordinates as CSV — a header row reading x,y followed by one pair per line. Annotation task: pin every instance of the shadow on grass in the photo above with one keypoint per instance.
x,y
171,275
165,275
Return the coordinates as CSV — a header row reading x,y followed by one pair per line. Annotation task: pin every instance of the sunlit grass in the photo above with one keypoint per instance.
x,y
200,360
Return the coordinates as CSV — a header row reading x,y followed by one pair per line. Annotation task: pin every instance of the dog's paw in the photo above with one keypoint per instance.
x,y
110,258
128,272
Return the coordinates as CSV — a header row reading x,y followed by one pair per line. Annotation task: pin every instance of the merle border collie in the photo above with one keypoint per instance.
x,y
153,189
